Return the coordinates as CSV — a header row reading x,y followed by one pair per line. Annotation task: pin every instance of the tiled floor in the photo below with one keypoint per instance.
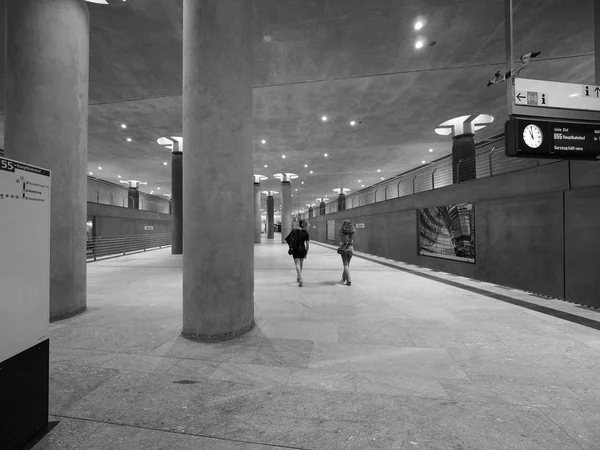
x,y
396,361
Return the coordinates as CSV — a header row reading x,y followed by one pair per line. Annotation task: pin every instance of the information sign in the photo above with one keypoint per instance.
x,y
552,139
24,256
552,94
360,225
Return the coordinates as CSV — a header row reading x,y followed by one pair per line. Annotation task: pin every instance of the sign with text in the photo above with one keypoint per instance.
x,y
552,94
360,225
24,256
552,139
148,227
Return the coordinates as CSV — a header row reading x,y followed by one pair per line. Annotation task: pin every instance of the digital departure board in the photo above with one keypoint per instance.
x,y
552,139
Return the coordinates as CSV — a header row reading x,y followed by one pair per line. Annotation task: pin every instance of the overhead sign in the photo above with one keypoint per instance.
x,y
552,94
148,227
552,139
360,225
24,256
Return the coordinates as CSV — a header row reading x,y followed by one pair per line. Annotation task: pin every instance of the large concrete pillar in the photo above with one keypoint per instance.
x,y
463,158
322,208
270,214
176,200
218,210
46,114
257,219
286,202
133,198
310,212
341,201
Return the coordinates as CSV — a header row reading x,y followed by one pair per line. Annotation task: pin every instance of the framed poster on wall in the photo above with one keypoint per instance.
x,y
448,232
330,236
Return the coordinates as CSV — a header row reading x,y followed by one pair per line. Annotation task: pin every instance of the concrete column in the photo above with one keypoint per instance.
x,y
341,202
322,209
286,209
310,212
46,114
597,39
463,158
133,198
270,217
218,253
176,202
257,221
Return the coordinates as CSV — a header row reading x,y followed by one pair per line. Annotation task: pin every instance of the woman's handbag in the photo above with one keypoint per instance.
x,y
342,248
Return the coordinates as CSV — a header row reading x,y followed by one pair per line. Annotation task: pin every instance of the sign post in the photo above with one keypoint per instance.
x,y
24,301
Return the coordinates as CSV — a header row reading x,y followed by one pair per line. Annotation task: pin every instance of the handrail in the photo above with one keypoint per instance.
x,y
121,245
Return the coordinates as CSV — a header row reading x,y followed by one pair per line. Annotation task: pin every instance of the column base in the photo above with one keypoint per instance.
x,y
218,337
68,315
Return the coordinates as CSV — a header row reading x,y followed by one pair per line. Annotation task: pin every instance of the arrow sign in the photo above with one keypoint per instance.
x,y
521,97
597,90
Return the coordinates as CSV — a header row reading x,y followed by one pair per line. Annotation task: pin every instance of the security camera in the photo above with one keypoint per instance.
x,y
497,78
527,57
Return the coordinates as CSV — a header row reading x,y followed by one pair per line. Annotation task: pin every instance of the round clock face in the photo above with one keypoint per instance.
x,y
532,135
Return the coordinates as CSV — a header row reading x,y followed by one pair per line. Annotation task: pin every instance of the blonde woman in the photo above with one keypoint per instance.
x,y
346,249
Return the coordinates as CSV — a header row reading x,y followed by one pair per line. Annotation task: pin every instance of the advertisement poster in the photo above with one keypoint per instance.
x,y
24,256
448,232
331,234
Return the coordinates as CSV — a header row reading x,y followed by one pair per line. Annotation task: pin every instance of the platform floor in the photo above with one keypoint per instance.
x,y
405,358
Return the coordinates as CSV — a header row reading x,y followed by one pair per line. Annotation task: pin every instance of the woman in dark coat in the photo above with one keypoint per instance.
x,y
299,249
346,249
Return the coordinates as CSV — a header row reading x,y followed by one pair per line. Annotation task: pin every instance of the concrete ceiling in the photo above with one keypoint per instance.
x,y
347,59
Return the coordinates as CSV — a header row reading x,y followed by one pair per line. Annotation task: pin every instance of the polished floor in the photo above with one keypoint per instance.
x,y
405,358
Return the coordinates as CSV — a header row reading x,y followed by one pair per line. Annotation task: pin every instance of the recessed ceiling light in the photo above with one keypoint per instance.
x,y
265,165
283,156
263,141
158,188
152,192
352,123
324,118
311,171
123,126
419,44
382,178
359,181
430,150
99,168
418,25
325,155
362,185
91,173
164,163
305,165
378,170
422,162
296,190
128,139
292,195
302,182
118,176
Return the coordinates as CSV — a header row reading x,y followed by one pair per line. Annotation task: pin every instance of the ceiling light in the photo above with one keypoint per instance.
x,y
283,156
100,2
118,176
91,173
265,165
128,139
325,155
311,171
302,182
123,126
378,170
158,188
296,190
382,178
352,123
263,141
362,185
324,118
99,168
305,165
164,163
430,150
418,25
359,181
152,192
422,162
419,44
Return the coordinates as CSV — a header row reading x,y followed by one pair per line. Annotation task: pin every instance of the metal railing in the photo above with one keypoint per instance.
x,y
105,197
485,164
103,246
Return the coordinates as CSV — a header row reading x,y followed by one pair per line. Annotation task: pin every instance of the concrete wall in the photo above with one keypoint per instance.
x,y
532,231
99,191
117,221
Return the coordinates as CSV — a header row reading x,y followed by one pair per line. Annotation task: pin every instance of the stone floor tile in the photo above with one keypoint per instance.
x,y
141,363
301,329
322,379
580,424
65,355
70,383
69,434
284,352
251,374
193,369
386,384
405,361
374,331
